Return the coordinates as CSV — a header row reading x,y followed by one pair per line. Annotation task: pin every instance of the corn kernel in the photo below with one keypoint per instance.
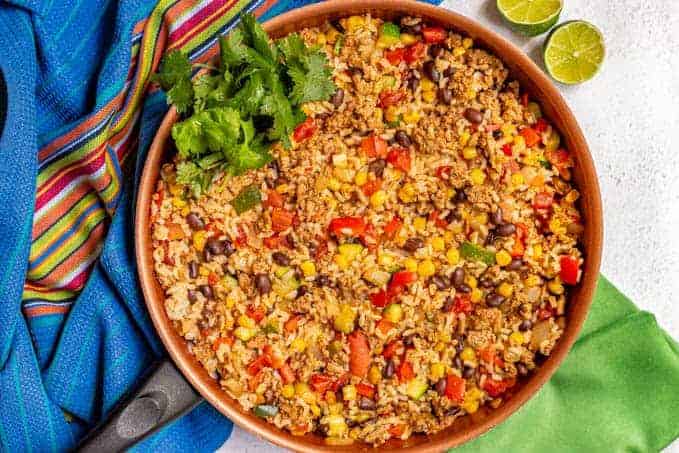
x,y
341,261
283,188
537,251
378,199
178,202
427,85
519,144
453,256
246,321
555,226
518,179
243,333
428,96
199,240
334,184
335,408
315,410
437,371
440,346
393,313
468,355
288,391
503,258
204,271
411,117
481,218
408,39
379,114
407,193
426,268
420,224
302,388
464,138
321,39
470,406
339,160
516,338
532,281
445,336
391,114
298,344
330,398
476,295
185,211
230,302
505,289
308,268
349,392
459,51
438,244
555,287
374,375
384,259
467,43
361,178
354,23
410,264
332,35
471,281
508,130
469,152
477,176
448,235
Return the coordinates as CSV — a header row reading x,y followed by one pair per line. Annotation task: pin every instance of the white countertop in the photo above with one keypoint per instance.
x,y
630,116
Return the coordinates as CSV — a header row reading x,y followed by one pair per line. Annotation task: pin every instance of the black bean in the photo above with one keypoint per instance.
x,y
435,50
458,277
389,369
497,134
337,25
263,283
193,269
191,294
486,282
506,230
441,281
323,280
403,139
460,344
215,246
412,83
449,71
431,72
494,300
473,116
522,369
409,340
322,116
194,221
458,361
515,265
366,404
270,181
411,29
445,95
229,249
280,258
377,167
302,291
452,411
490,237
206,290
441,385
460,196
468,372
496,217
413,244
207,256
525,325
338,98
464,288
447,306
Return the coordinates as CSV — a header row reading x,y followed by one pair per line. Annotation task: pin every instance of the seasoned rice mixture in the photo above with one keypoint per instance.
x,y
407,262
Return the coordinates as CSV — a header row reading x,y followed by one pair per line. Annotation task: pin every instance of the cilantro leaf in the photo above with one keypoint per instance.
x,y
292,47
257,37
249,97
188,137
232,49
311,79
181,95
174,68
197,179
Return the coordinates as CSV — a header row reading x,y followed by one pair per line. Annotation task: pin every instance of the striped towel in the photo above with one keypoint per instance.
x,y
74,332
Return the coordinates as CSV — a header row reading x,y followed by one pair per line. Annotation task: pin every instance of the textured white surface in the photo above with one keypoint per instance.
x,y
630,116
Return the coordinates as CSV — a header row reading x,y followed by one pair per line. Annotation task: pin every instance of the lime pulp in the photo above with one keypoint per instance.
x,y
574,52
530,17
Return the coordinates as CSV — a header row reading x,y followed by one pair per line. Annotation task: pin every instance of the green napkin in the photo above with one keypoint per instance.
x,y
618,390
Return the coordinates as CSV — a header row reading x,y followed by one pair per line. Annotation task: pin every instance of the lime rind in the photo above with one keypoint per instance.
x,y
530,17
574,52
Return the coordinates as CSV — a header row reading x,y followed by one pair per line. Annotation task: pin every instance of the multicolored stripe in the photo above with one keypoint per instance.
x,y
81,170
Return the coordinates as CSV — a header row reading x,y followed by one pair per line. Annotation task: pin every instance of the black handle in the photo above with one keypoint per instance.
x,y
162,398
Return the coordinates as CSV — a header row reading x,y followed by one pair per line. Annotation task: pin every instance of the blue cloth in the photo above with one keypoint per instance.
x,y
61,62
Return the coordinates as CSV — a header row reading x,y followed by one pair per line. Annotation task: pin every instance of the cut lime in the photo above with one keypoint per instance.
x,y
530,17
574,52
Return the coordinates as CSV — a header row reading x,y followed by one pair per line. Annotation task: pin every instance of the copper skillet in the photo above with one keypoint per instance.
x,y
167,395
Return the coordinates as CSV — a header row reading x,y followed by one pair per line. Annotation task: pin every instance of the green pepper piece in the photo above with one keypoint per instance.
x,y
266,410
390,29
338,44
477,253
416,388
247,199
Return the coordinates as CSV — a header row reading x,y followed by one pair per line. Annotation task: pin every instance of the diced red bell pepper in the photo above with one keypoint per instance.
x,y
369,237
455,387
258,363
396,56
379,299
545,313
570,269
374,146
366,390
397,430
393,348
462,303
434,216
558,158
242,239
391,228
531,137
541,125
487,354
507,149
543,200
519,247
274,199
347,226
281,219
321,247
304,130
443,172
256,313
292,323
399,158
524,99
405,371
387,98
434,35
276,360
228,340
276,241
496,388
359,353
371,187
415,52
287,375
399,281
212,278
384,326
320,383
340,382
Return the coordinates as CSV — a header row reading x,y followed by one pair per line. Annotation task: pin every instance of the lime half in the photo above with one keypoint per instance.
x,y
530,17
574,52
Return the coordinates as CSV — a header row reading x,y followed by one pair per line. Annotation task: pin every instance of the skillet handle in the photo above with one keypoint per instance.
x,y
162,398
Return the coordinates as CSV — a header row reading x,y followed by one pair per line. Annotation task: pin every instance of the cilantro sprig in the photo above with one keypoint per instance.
x,y
232,115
